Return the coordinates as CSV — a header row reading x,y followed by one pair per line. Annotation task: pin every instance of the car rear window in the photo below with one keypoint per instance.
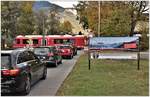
x,y
41,51
5,61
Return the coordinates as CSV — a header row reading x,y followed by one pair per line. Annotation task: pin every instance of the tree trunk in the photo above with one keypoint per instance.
x,y
133,23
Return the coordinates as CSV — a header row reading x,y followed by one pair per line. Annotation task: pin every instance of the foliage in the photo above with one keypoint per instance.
x,y
144,38
65,27
53,23
25,24
82,13
117,18
117,22
40,20
10,11
136,11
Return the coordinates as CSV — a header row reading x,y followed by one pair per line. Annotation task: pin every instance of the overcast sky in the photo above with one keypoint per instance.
x,y
64,4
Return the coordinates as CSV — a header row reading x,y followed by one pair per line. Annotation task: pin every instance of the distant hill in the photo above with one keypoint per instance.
x,y
63,14
45,5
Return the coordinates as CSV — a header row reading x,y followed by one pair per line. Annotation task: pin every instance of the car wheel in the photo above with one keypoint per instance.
x,y
27,86
56,64
61,60
71,56
44,74
76,53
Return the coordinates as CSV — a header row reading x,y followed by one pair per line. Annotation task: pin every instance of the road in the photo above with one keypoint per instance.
x,y
55,78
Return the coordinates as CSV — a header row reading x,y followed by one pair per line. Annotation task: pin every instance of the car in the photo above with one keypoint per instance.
x,y
49,55
74,48
20,68
66,51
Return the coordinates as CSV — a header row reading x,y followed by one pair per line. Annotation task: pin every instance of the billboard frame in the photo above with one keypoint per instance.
x,y
98,50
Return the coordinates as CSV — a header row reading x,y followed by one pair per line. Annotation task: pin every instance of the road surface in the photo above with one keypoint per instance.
x,y
55,78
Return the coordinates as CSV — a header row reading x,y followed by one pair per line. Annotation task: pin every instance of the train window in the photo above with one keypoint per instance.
x,y
35,41
58,41
45,42
17,41
25,41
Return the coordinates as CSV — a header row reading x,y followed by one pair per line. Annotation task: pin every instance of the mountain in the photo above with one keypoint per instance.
x,y
45,5
62,13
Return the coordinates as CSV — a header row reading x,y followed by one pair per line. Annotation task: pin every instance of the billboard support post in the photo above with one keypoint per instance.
x,y
138,55
89,61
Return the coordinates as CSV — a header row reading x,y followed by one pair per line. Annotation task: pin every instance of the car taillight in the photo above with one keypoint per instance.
x,y
12,72
62,51
69,50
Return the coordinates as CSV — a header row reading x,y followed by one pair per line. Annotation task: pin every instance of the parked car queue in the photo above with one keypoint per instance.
x,y
22,67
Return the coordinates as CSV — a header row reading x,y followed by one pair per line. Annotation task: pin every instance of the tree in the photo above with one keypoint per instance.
x,y
26,20
40,21
136,10
82,13
116,17
66,27
10,11
53,23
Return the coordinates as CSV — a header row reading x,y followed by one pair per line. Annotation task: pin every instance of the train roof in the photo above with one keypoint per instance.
x,y
31,36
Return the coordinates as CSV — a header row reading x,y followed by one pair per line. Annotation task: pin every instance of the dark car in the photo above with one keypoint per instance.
x,y
48,54
20,68
74,49
66,51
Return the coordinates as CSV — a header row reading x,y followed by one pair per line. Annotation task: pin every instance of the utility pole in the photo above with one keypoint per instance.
x,y
43,33
99,16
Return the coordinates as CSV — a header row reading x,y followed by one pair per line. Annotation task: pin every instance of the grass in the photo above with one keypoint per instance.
x,y
106,78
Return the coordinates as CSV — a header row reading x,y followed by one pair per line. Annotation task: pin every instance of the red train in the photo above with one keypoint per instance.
x,y
50,40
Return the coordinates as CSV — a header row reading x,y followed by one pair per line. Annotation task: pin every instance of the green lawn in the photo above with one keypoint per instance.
x,y
107,78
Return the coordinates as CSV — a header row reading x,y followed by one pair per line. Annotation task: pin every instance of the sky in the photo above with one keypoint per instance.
x,y
64,4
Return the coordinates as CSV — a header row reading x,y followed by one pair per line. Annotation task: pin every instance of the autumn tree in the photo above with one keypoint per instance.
x,y
10,11
40,22
136,11
26,20
82,13
66,27
53,23
116,17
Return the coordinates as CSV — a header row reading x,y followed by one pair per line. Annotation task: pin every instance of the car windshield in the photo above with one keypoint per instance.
x,y
5,61
41,51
